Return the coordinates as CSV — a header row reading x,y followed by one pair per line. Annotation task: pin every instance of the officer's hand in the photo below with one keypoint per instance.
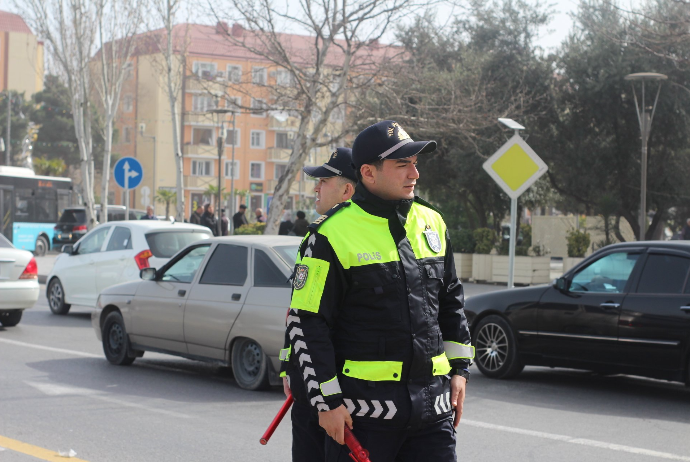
x,y
457,396
286,387
334,423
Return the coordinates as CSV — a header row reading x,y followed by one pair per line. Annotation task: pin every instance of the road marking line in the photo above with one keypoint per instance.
x,y
51,389
35,451
47,348
581,441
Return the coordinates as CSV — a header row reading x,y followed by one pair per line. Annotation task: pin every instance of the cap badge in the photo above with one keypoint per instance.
x,y
432,239
402,134
334,155
301,273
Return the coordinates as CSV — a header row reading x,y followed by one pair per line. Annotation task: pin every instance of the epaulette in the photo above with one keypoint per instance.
x,y
319,221
419,200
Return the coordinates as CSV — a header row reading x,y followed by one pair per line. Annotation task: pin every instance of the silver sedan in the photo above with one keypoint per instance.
x,y
222,300
18,282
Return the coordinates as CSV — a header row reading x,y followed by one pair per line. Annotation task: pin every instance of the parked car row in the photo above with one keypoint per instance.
x,y
72,224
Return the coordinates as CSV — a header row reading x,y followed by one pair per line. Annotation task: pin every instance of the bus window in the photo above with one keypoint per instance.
x,y
24,205
45,206
63,201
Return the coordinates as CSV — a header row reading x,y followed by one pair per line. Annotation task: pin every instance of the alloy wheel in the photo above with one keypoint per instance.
x,y
56,297
492,346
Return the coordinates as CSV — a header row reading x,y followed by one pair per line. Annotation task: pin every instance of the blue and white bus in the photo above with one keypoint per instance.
x,y
30,206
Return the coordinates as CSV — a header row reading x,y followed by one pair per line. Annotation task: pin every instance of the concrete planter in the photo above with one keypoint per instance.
x,y
528,270
463,265
569,262
481,267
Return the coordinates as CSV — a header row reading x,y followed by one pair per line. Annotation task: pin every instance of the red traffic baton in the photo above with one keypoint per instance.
x,y
276,420
357,452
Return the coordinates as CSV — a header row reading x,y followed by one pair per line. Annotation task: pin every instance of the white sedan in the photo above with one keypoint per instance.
x,y
18,282
112,253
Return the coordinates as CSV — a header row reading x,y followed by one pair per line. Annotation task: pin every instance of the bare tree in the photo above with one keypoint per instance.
x,y
339,55
118,23
69,30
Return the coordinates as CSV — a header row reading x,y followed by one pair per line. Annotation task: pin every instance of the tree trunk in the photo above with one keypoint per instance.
x,y
105,174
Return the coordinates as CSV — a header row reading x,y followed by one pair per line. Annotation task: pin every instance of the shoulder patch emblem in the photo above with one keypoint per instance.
x,y
301,273
432,239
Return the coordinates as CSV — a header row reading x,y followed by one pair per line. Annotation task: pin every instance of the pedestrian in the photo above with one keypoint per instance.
x,y
224,223
260,218
209,220
301,224
195,218
685,233
285,224
376,319
239,218
336,184
149,214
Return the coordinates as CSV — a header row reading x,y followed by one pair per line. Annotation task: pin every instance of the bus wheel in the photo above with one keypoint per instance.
x,y
41,246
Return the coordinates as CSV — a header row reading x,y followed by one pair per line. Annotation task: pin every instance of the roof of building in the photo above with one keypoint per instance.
x,y
10,22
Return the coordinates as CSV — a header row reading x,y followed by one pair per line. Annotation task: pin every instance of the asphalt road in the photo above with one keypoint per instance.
x,y
58,393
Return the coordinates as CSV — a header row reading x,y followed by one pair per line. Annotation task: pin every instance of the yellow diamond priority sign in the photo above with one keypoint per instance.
x,y
515,167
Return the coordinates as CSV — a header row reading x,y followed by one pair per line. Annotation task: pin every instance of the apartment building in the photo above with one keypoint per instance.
x,y
217,74
21,56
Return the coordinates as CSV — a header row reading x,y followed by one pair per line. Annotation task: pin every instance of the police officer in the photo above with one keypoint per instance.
x,y
336,183
376,322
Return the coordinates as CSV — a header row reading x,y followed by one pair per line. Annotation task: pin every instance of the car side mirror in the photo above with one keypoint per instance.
x,y
148,274
561,284
68,249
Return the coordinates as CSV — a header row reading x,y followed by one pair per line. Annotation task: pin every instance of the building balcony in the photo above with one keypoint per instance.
x,y
282,121
196,84
307,187
199,118
199,150
202,182
279,154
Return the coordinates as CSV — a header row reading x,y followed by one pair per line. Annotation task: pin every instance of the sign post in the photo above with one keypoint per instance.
x,y
514,167
128,174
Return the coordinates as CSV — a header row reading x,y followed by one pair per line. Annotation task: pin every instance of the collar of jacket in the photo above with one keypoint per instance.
x,y
374,205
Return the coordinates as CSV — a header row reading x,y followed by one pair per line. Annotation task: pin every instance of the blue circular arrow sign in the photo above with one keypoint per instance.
x,y
128,173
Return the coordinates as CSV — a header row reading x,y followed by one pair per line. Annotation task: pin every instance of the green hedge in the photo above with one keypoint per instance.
x,y
462,240
484,239
578,243
252,228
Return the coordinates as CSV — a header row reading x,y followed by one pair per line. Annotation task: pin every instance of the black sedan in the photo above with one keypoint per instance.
x,y
625,309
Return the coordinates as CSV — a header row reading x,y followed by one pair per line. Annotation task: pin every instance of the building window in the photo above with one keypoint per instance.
x,y
202,103
202,168
284,78
234,73
283,140
232,138
258,140
202,136
256,201
204,70
256,170
127,103
126,134
233,102
128,71
279,170
232,172
259,107
259,75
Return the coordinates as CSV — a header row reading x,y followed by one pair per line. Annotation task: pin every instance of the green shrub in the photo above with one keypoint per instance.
x,y
252,228
484,239
462,240
578,243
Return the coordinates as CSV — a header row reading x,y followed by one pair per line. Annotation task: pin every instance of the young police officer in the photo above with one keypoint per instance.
x,y
376,322
336,184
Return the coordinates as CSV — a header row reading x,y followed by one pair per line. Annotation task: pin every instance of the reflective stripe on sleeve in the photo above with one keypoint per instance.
x,y
285,353
440,364
283,374
331,387
455,350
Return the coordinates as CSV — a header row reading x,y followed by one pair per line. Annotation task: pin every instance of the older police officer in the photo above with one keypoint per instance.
x,y
376,321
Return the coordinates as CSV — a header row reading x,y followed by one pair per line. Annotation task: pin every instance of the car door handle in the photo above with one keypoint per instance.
x,y
181,292
236,297
685,308
610,305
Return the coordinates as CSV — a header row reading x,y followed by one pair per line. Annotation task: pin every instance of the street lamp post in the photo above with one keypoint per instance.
x,y
142,127
645,120
220,112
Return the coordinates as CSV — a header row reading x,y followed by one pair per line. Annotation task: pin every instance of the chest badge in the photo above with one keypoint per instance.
x,y
432,239
301,274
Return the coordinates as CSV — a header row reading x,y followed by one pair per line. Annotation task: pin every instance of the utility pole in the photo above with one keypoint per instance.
x,y
8,147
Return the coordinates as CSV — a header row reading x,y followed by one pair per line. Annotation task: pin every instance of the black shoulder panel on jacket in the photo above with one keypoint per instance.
x,y
319,221
419,200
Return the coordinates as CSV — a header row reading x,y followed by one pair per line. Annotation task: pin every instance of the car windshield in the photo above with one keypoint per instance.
x,y
288,253
5,243
73,216
167,243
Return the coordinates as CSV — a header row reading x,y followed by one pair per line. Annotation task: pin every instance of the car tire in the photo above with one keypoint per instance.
x,y
249,365
56,298
116,341
41,246
11,318
496,349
